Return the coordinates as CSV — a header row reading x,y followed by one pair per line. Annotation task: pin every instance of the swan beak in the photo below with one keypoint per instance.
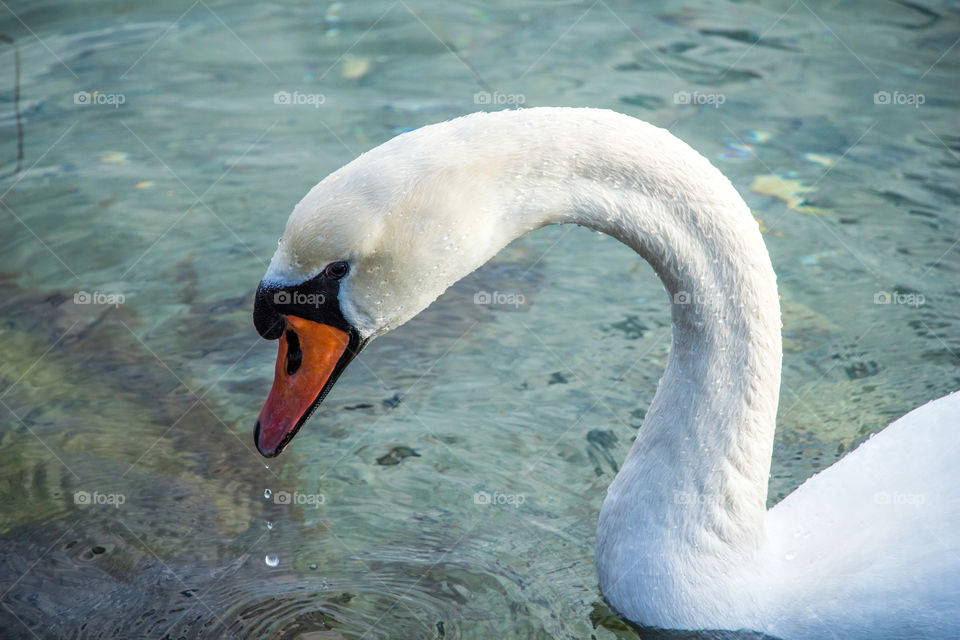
x,y
311,356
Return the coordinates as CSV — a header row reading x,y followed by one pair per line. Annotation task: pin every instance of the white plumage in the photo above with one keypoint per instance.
x,y
869,548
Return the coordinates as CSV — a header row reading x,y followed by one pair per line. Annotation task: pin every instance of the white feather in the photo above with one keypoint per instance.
x,y
869,548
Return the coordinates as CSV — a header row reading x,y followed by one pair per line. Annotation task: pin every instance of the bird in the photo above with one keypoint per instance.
x,y
866,548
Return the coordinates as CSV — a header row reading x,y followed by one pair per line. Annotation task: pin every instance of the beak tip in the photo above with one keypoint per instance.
x,y
266,453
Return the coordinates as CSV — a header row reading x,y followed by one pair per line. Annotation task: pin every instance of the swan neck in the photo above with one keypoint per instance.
x,y
699,467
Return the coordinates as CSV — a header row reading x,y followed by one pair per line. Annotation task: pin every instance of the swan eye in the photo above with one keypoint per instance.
x,y
336,270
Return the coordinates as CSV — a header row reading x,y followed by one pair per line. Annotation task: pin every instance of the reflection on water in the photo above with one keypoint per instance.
x,y
449,487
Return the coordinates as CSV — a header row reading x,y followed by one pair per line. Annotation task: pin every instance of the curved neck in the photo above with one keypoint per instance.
x,y
688,506
703,453
700,464
696,477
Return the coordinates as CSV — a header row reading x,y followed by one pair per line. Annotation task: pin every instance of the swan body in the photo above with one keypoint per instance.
x,y
868,548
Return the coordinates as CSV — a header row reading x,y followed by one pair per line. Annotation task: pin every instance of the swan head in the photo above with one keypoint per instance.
x,y
366,249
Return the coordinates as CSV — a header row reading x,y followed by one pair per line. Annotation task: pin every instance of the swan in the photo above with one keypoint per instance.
x,y
868,548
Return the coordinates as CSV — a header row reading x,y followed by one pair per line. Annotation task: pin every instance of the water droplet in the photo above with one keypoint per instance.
x,y
269,525
271,560
790,556
267,493
312,567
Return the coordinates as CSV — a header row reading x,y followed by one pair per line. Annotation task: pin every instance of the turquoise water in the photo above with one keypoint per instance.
x,y
161,196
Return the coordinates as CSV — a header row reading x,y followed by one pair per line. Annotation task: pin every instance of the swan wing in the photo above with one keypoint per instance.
x,y
872,543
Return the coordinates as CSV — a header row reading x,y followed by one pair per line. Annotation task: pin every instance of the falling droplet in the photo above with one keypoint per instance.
x,y
269,525
267,493
312,566
272,560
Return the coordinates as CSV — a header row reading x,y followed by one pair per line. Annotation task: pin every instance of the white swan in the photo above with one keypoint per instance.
x,y
869,548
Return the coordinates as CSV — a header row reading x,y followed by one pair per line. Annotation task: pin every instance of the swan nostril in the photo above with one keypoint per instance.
x,y
256,434
294,353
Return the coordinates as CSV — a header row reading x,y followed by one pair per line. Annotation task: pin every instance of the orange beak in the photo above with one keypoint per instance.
x,y
309,359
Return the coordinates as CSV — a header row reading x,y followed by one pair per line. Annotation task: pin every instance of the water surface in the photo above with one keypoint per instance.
x,y
170,185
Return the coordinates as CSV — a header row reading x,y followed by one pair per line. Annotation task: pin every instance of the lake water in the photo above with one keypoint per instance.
x,y
449,486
